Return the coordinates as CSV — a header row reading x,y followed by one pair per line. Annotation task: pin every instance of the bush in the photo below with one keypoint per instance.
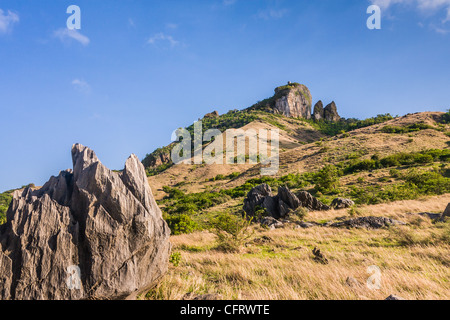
x,y
410,128
232,231
181,224
327,179
5,200
173,193
175,259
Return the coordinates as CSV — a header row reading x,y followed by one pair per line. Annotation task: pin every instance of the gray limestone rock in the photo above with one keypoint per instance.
x,y
90,233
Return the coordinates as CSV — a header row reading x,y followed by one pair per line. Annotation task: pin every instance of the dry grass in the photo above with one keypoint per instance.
x,y
414,261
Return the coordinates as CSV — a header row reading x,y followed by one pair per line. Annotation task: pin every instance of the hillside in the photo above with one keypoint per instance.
x,y
391,167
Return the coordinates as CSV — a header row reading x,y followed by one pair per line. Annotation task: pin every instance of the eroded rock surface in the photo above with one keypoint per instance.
x,y
89,233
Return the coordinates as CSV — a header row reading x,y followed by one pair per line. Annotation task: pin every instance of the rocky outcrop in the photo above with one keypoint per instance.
x,y
318,111
256,197
341,203
89,233
293,100
330,113
281,205
311,203
367,222
212,115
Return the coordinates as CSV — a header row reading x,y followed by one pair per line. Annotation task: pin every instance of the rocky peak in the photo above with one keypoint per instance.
x,y
330,113
104,224
293,100
318,111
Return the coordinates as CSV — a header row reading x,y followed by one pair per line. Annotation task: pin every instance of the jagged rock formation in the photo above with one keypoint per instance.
x,y
318,111
367,222
311,203
89,233
281,205
330,113
293,100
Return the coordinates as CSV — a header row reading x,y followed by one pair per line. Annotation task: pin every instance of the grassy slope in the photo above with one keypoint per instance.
x,y
414,259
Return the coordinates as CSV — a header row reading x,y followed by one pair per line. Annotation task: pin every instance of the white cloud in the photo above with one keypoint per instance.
x,y
171,26
422,5
7,20
272,14
163,37
66,34
229,2
427,7
81,86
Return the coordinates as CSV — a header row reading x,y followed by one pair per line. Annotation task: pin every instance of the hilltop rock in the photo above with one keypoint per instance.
x,y
89,233
318,111
293,100
211,115
330,113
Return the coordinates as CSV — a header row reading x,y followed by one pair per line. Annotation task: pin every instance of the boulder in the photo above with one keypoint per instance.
x,y
90,233
393,297
330,113
271,223
367,222
310,202
256,197
318,111
341,203
288,197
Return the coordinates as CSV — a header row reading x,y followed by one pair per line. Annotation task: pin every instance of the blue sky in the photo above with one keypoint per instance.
x,y
137,70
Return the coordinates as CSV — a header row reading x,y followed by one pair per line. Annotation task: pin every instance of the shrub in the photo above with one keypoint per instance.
x,y
175,259
327,179
173,193
232,231
5,200
181,224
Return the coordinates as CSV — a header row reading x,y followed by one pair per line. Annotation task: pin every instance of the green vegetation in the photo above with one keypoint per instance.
x,y
327,180
446,117
231,231
346,125
5,200
221,177
181,224
175,258
179,203
410,128
395,160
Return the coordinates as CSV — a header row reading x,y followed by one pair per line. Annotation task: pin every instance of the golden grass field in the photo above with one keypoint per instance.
x,y
278,265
